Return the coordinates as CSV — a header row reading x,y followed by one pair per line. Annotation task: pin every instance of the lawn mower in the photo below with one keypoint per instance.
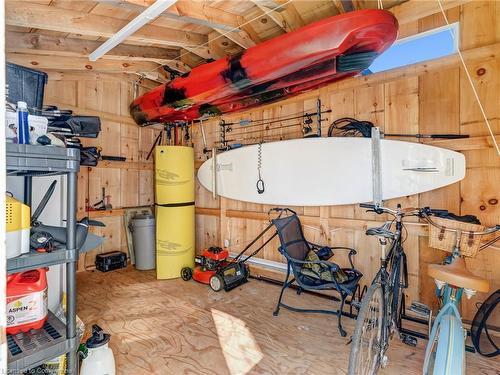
x,y
214,269
217,270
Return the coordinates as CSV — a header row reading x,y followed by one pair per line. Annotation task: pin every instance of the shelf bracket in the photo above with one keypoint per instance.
x,y
376,167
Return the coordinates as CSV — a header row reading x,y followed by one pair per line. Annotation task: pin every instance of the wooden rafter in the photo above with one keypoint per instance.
x,y
221,21
200,13
344,6
40,44
150,70
204,52
292,16
195,12
338,4
45,17
268,3
242,41
414,10
249,29
65,75
214,42
274,15
191,58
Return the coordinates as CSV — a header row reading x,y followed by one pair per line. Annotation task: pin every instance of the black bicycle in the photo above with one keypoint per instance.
x,y
380,312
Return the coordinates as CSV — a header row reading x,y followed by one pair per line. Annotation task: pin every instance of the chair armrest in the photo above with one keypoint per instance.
x,y
351,253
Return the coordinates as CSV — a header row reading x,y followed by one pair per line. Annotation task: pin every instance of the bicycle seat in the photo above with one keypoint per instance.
x,y
456,274
382,231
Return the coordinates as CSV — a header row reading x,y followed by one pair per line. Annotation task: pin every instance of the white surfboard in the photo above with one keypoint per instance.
x,y
330,171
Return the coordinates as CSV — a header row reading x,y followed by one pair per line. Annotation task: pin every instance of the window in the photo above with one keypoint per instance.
x,y
428,45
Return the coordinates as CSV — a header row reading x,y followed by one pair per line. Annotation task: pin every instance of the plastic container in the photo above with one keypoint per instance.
x,y
175,240
142,228
23,129
26,85
99,359
26,301
17,239
10,126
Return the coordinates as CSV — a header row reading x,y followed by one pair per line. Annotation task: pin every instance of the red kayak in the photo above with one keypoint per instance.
x,y
320,53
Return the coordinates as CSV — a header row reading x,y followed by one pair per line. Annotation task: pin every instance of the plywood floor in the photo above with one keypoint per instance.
x,y
177,327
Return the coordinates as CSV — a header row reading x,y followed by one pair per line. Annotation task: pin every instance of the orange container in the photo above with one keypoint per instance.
x,y
26,300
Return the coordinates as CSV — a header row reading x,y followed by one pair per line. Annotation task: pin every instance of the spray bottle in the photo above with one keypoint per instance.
x,y
99,359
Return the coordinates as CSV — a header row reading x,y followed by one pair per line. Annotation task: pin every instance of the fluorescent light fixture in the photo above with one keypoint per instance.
x,y
152,12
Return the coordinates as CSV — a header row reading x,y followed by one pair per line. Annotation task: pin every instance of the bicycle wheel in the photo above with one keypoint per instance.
x,y
399,281
367,339
445,353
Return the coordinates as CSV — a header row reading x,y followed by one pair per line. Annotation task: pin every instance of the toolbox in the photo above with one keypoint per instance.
x,y
113,260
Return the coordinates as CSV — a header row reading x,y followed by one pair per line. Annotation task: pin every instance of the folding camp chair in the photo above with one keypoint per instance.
x,y
321,274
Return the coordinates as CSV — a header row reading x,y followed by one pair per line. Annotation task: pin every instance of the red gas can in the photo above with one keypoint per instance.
x,y
26,300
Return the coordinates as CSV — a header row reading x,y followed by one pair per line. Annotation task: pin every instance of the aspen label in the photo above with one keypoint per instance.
x,y
26,308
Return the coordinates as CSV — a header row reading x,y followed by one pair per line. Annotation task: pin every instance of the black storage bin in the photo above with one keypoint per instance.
x,y
26,85
110,261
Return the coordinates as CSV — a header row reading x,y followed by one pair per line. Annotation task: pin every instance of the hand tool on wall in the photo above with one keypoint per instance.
x,y
105,203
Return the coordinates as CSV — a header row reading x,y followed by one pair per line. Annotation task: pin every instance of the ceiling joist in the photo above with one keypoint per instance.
x,y
221,21
143,19
243,41
40,44
204,52
200,13
24,14
150,70
195,12
413,10
65,75
274,15
344,6
292,16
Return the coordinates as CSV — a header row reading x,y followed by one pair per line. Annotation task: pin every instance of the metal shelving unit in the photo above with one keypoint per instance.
x,y
36,260
28,350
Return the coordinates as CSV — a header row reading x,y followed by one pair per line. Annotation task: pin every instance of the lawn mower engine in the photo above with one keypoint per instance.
x,y
214,269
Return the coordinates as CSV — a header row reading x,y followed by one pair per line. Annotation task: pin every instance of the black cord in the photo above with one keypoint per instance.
x,y
348,126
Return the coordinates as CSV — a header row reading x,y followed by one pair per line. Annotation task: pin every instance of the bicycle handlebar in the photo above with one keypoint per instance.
x,y
397,212
433,211
377,209
367,205
424,213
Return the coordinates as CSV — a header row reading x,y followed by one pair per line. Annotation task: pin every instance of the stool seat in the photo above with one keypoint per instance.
x,y
458,275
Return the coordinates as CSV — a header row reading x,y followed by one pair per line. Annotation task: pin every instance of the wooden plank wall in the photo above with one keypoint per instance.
x,y
129,183
434,97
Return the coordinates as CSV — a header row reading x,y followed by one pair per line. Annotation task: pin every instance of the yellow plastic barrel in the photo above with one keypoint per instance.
x,y
175,212
174,240
174,174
